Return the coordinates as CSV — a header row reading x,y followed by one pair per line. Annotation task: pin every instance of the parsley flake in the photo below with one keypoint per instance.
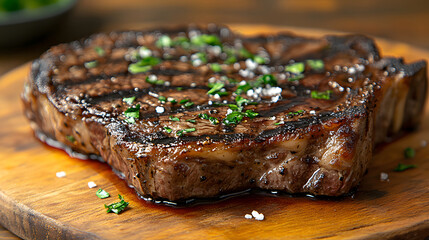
x,y
154,81
188,104
409,152
172,118
164,41
231,60
100,51
118,206
132,113
129,100
91,64
216,67
184,131
402,167
168,130
183,101
316,65
205,39
143,65
296,77
268,79
191,120
162,99
296,68
102,194
215,88
321,95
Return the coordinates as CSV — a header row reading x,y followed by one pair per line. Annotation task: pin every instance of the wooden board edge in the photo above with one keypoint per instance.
x,y
29,224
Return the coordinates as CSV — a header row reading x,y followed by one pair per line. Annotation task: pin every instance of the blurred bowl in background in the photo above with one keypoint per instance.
x,y
20,24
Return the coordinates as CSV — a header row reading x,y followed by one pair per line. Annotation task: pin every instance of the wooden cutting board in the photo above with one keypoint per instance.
x,y
35,204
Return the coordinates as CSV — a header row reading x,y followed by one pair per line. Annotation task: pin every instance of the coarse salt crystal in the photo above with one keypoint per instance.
x,y
61,174
312,112
193,84
145,52
260,217
255,213
236,66
92,185
248,216
250,64
384,177
159,109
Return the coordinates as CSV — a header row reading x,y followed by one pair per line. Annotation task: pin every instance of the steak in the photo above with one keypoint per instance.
x,y
201,111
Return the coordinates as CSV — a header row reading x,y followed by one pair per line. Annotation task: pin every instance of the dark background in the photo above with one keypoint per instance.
x,y
398,20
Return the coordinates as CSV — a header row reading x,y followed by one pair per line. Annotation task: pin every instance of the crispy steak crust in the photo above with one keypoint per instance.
x,y
297,143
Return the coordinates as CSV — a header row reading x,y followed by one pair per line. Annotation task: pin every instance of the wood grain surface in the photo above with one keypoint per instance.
x,y
35,204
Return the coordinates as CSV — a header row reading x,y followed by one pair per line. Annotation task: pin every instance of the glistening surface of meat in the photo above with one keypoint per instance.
x,y
201,111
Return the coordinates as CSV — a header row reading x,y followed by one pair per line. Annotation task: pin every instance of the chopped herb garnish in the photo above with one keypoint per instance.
x,y
130,120
162,99
251,114
129,100
183,101
278,123
402,167
184,131
243,88
241,101
233,118
102,194
259,60
234,107
317,65
231,60
296,77
149,61
296,68
213,120
321,95
244,53
71,138
188,104
296,113
216,67
134,68
132,113
164,41
203,116
118,206
409,152
206,39
143,65
168,130
176,119
154,80
191,120
179,88
181,41
268,79
100,51
215,88
172,100
199,56
91,64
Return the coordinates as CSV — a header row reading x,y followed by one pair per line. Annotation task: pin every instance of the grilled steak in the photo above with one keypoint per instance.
x,y
201,111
